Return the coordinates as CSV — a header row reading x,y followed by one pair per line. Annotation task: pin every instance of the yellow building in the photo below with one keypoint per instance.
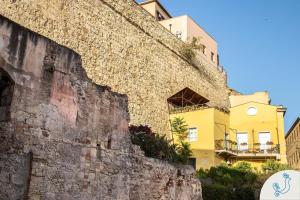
x,y
293,145
251,130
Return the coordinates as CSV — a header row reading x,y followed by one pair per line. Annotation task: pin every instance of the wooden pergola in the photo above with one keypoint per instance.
x,y
186,97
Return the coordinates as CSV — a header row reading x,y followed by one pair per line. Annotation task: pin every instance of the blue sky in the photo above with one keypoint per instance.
x,y
259,44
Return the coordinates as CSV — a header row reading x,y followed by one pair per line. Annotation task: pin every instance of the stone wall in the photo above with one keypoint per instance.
x,y
64,137
122,46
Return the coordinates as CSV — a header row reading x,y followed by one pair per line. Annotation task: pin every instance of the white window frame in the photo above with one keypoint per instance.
x,y
239,146
195,134
265,147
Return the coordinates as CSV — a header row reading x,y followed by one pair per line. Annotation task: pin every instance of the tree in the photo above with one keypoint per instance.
x,y
272,166
184,152
244,166
179,128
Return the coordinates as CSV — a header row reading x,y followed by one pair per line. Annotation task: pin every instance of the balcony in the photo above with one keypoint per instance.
x,y
228,148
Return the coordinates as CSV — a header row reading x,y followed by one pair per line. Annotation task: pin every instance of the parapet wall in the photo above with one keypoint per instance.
x,y
64,137
122,46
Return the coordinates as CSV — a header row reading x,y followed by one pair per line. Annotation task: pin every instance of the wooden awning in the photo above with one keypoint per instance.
x,y
187,97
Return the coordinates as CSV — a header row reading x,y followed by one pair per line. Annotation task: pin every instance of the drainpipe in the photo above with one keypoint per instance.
x,y
170,25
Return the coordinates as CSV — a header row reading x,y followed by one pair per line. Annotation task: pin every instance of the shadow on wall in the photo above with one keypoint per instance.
x,y
6,94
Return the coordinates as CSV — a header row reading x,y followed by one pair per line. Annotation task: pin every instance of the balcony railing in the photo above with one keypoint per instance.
x,y
244,149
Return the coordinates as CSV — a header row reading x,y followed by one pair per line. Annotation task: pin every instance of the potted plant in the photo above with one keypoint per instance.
x,y
218,144
243,147
269,145
256,147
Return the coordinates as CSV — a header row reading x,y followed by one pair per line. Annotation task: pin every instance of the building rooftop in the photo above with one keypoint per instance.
x,y
158,3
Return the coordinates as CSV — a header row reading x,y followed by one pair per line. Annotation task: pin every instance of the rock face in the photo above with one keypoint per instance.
x,y
122,46
64,137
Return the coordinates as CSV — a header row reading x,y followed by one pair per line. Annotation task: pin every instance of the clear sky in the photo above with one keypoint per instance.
x,y
259,44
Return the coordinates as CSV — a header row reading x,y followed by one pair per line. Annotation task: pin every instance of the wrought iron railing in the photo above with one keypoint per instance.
x,y
227,145
245,148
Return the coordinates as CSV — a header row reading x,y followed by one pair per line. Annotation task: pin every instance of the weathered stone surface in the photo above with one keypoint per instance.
x,y
66,137
122,46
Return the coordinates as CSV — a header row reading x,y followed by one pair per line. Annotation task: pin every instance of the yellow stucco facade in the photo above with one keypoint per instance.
x,y
250,131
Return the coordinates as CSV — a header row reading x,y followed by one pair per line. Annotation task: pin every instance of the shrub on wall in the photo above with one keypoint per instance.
x,y
153,145
189,48
158,146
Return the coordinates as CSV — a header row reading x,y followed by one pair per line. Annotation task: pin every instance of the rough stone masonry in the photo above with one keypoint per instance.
x,y
122,46
64,137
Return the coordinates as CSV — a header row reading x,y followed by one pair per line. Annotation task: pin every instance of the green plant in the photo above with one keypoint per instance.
x,y
154,145
188,49
239,182
201,173
228,182
179,128
158,146
216,192
184,152
272,166
243,193
244,166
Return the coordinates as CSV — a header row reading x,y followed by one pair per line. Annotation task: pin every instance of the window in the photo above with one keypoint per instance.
x,y
252,111
192,162
6,94
159,16
242,141
179,34
204,49
265,141
212,57
193,135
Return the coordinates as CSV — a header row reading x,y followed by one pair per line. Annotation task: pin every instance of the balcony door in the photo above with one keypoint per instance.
x,y
264,138
242,141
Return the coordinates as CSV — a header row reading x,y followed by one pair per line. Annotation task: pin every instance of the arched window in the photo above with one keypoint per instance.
x,y
6,94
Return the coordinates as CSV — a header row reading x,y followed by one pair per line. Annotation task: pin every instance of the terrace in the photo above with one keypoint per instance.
x,y
228,148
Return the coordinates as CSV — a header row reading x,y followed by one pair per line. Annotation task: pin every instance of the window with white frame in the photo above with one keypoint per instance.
x,y
179,34
265,140
193,134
